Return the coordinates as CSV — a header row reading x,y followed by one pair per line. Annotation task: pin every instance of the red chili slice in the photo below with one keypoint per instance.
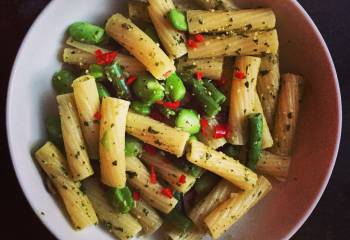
x,y
136,195
97,116
220,131
199,38
105,58
182,179
153,175
131,80
204,126
149,149
167,192
199,75
239,75
191,43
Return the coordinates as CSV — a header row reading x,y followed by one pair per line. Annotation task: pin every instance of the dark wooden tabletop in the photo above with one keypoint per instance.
x,y
331,218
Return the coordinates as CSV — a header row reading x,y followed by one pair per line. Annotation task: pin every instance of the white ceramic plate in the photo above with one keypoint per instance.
x,y
30,98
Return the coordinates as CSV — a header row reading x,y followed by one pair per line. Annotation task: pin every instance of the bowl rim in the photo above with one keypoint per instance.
x,y
324,182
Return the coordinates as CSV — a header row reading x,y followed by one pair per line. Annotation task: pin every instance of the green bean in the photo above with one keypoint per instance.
x,y
102,90
148,89
210,107
231,150
133,146
96,71
166,112
174,87
152,33
141,107
62,81
121,198
255,139
116,75
54,131
205,183
218,96
178,20
179,220
188,120
86,32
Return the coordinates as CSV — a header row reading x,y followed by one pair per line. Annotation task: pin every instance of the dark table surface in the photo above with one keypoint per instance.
x,y
330,219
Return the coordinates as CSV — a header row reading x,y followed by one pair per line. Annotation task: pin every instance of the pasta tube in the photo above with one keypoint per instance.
x,y
130,64
77,156
254,43
156,133
112,141
273,165
230,211
75,201
77,57
287,114
222,191
211,68
208,138
192,234
123,226
220,164
242,98
200,21
88,104
147,217
268,86
178,179
172,40
151,192
216,4
140,45
137,11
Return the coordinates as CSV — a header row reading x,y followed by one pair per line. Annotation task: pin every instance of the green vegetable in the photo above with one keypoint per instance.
x,y
102,90
151,32
188,120
178,20
116,75
121,198
148,89
180,201
166,112
188,167
62,81
218,96
255,139
193,137
210,107
174,88
133,146
96,71
54,131
86,32
205,183
179,220
230,150
141,108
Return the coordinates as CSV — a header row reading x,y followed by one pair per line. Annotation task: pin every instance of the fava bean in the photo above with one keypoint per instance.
x,y
178,19
86,32
188,120
62,81
175,88
141,108
148,89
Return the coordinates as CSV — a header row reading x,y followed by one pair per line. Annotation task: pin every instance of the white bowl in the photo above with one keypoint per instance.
x,y
30,98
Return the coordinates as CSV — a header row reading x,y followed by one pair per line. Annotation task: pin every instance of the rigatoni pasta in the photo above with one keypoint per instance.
x,y
137,11
157,134
88,104
274,165
220,164
222,191
172,40
287,114
139,178
76,203
74,143
147,217
211,68
78,57
192,234
230,211
240,44
112,141
178,179
225,21
123,226
136,42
